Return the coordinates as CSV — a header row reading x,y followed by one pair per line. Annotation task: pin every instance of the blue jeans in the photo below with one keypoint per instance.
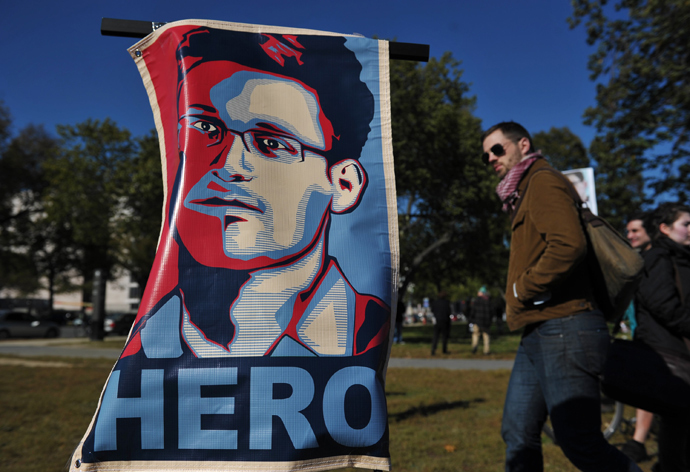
x,y
556,373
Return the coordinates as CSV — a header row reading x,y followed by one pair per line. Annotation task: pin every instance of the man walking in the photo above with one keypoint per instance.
x,y
634,448
483,311
440,307
548,293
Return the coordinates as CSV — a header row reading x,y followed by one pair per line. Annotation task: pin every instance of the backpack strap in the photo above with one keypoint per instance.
x,y
573,193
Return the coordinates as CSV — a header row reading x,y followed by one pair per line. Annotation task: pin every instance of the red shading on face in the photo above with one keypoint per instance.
x,y
205,141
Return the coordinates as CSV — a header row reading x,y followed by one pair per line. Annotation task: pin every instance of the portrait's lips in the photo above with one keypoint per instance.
x,y
217,202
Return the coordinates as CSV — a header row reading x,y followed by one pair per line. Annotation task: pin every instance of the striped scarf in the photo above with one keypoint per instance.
x,y
507,188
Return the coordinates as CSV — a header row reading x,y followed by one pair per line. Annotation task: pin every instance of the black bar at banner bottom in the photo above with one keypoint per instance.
x,y
140,29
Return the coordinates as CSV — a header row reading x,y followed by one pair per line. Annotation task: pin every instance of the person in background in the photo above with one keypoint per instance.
x,y
634,448
548,294
440,307
483,311
399,316
637,234
663,317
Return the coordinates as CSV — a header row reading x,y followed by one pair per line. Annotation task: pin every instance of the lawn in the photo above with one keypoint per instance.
x,y
440,420
417,343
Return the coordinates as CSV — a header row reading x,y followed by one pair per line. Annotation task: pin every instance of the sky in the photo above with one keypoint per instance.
x,y
521,59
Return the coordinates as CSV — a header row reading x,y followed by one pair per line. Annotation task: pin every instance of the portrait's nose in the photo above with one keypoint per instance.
x,y
239,159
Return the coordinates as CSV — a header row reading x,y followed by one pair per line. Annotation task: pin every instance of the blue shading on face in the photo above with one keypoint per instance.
x,y
252,179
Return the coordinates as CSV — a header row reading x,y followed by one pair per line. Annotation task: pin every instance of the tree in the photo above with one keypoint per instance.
x,y
34,249
448,213
139,225
563,148
619,181
86,187
642,113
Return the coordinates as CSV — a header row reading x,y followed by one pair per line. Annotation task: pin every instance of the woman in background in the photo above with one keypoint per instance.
x,y
664,318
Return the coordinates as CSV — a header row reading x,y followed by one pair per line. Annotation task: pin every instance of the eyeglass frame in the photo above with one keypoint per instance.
x,y
249,145
500,152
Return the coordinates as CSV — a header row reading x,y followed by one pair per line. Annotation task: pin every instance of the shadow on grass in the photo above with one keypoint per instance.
x,y
428,410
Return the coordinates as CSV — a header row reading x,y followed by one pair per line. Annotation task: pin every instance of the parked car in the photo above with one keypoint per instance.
x,y
19,324
118,323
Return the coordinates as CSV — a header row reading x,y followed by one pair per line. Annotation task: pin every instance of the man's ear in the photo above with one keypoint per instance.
x,y
524,145
348,182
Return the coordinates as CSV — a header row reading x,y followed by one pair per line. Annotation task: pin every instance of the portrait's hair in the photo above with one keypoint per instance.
x,y
320,62
511,130
666,213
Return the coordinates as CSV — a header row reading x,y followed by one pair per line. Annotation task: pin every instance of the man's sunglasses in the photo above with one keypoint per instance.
x,y
497,150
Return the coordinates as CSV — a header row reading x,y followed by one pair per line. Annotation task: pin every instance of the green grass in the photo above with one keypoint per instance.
x,y
417,344
45,411
418,338
439,420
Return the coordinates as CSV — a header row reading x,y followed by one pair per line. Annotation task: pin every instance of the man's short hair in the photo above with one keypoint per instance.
x,y
511,130
345,100
646,218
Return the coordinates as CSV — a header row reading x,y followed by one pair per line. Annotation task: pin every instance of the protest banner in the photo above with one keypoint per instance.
x,y
263,334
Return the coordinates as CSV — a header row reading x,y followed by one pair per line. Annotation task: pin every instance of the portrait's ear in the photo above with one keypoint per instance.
x,y
348,181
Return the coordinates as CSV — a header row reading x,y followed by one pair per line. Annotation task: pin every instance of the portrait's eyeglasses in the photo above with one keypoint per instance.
x,y
267,142
497,150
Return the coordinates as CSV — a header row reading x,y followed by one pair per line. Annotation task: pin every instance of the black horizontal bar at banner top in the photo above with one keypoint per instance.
x,y
140,29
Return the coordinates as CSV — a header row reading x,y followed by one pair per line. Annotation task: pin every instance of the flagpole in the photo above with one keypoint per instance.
x,y
140,29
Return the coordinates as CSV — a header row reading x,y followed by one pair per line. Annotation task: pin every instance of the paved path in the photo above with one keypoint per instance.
x,y
72,348
452,364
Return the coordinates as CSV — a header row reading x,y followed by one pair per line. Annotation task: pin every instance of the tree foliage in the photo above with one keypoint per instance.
x,y
86,187
563,148
32,247
642,113
448,218
137,228
90,199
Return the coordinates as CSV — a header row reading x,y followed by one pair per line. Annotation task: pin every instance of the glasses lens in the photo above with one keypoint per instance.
x,y
272,145
497,150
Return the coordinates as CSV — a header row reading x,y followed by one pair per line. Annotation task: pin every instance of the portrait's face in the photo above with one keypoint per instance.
x,y
580,185
514,152
636,234
253,187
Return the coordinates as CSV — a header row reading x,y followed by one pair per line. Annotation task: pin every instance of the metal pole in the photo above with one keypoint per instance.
x,y
140,29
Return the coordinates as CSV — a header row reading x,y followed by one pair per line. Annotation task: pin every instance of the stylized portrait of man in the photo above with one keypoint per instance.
x,y
262,336
583,181
268,152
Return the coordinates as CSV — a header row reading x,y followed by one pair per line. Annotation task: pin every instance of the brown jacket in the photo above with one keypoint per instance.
x,y
547,252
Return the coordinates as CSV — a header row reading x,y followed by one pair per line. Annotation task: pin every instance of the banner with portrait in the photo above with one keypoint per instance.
x,y
263,334
583,181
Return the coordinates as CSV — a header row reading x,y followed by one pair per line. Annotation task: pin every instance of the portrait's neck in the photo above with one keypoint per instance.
x,y
264,306
246,311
